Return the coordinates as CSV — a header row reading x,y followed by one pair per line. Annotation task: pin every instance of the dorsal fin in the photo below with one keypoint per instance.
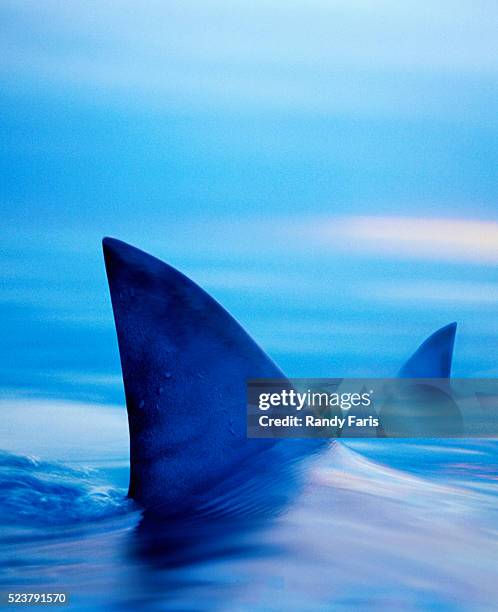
x,y
433,357
185,363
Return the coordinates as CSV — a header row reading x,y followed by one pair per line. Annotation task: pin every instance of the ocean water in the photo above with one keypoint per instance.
x,y
327,171
374,524
385,524
377,524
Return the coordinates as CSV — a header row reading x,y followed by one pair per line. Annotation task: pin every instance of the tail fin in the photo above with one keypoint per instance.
x,y
433,357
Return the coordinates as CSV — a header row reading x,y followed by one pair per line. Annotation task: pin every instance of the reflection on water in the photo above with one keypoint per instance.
x,y
384,523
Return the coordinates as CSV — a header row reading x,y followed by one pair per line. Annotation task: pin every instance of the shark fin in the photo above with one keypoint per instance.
x,y
433,357
185,362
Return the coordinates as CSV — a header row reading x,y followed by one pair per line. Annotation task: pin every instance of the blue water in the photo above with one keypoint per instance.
x,y
273,152
376,524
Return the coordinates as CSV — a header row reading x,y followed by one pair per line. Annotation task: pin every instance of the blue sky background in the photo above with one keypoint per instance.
x,y
328,170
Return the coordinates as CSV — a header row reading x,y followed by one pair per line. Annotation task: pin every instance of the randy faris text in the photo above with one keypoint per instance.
x,y
312,421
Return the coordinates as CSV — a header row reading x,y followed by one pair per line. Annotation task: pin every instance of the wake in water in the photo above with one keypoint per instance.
x,y
374,523
42,493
